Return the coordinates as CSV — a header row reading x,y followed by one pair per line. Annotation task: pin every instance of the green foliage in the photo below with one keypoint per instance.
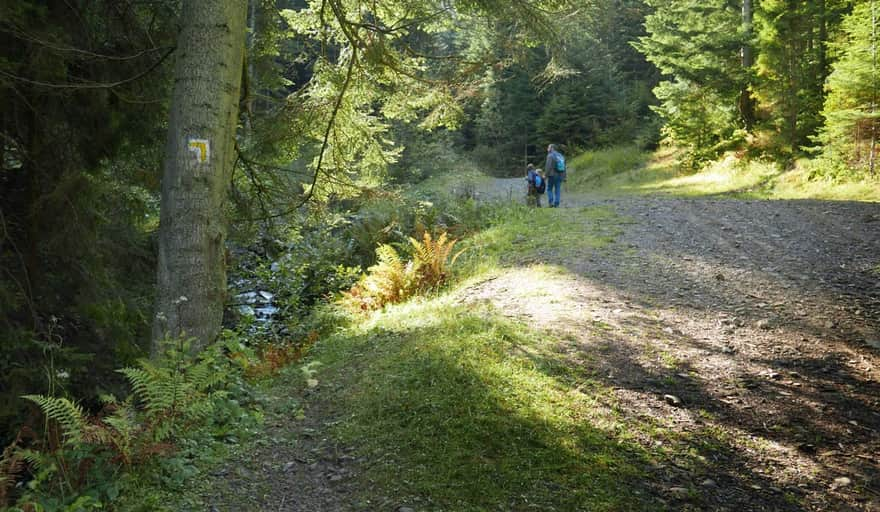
x,y
70,417
850,109
696,44
308,262
625,170
392,279
78,170
587,87
698,119
591,170
792,66
177,399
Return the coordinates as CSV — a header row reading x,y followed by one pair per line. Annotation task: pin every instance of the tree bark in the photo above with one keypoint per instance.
x,y
198,163
872,157
746,103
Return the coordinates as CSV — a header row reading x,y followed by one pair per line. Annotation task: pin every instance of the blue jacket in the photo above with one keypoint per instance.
x,y
531,176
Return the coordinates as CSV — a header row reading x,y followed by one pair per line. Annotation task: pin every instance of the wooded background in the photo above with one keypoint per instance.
x,y
339,97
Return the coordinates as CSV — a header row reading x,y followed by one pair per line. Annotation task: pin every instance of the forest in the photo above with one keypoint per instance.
x,y
276,255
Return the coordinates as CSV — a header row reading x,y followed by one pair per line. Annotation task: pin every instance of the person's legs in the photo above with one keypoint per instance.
x,y
559,189
553,184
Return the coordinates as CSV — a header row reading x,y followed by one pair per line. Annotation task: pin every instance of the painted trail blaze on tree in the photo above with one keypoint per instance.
x,y
198,162
201,148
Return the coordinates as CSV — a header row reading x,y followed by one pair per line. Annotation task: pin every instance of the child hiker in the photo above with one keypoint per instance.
x,y
536,183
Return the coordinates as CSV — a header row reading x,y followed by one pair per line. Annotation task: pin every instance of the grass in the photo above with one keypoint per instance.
x,y
469,410
461,408
522,236
626,170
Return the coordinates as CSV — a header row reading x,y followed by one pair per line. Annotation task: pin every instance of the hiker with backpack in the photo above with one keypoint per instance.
x,y
555,171
536,184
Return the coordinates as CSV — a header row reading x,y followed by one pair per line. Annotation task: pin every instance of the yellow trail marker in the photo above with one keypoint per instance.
x,y
201,148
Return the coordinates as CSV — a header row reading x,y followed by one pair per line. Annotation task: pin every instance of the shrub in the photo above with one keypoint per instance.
x,y
394,280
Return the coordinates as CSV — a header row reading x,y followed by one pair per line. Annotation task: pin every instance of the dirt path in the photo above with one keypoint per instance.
x,y
759,318
746,332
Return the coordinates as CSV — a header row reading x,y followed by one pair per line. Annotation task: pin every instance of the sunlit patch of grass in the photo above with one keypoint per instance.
x,y
797,184
670,362
473,411
523,235
627,171
725,176
605,170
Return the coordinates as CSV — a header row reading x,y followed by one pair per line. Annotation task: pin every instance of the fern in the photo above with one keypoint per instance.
x,y
69,416
121,431
174,395
393,280
11,465
432,259
388,281
170,398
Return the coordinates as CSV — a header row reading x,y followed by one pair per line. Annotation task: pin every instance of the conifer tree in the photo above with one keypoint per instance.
x,y
849,134
199,157
697,45
792,65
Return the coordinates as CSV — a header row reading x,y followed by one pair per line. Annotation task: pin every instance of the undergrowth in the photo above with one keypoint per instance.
x,y
464,409
394,279
179,406
625,170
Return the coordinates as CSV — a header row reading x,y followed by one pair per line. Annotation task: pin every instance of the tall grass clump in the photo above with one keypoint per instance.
x,y
592,169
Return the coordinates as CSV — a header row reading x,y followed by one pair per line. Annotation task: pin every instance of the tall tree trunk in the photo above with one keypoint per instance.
x,y
746,103
823,46
872,158
198,163
249,90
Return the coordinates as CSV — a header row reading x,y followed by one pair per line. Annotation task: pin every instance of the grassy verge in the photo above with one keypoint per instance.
x,y
625,170
459,183
520,236
458,407
468,410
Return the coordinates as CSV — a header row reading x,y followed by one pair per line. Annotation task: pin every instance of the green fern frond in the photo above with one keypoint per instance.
x,y
157,392
69,416
201,377
35,459
138,379
122,421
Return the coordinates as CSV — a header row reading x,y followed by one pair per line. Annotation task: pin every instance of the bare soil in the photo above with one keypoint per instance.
x,y
746,332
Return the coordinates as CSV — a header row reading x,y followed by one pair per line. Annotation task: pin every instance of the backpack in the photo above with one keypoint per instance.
x,y
539,184
560,162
